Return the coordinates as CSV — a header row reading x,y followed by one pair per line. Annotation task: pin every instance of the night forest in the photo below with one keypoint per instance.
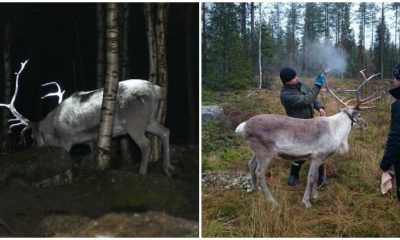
x,y
61,41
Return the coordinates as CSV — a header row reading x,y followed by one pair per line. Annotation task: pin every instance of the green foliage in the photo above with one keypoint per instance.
x,y
225,63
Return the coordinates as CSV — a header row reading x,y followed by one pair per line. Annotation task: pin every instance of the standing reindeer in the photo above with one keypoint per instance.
x,y
276,136
76,119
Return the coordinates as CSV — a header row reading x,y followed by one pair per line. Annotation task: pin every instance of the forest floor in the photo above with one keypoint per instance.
x,y
351,206
65,210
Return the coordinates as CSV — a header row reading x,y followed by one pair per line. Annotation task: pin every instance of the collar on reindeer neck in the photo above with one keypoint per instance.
x,y
351,117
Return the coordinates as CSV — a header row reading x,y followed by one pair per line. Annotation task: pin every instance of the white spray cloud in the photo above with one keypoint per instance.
x,y
328,55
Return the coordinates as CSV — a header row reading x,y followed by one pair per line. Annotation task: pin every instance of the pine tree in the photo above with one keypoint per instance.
x,y
227,65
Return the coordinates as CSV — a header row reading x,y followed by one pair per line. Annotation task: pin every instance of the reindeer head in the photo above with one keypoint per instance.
x,y
353,111
21,120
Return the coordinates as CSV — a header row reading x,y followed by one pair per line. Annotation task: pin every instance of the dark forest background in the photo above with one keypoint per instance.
x,y
60,41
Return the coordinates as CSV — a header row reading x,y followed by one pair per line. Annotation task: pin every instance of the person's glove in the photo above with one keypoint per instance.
x,y
320,80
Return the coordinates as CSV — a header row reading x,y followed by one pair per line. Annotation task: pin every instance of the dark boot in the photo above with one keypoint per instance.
x,y
294,174
322,181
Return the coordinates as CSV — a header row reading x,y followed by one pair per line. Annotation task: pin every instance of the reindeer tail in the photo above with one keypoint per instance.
x,y
160,92
240,129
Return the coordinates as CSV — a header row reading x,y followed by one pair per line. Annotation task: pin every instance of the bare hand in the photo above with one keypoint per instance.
x,y
322,112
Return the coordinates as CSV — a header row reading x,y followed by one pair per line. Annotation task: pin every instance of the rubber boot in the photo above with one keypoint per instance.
x,y
322,181
294,174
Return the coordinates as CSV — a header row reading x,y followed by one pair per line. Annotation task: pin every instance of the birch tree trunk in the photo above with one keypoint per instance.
x,y
100,45
161,29
151,41
7,85
126,153
156,24
110,88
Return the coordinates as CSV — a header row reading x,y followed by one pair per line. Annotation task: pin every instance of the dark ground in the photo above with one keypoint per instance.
x,y
23,207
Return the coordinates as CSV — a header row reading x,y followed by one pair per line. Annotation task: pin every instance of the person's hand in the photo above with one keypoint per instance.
x,y
322,112
320,80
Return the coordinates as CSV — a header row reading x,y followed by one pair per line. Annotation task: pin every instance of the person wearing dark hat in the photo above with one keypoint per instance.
x,y
391,156
300,101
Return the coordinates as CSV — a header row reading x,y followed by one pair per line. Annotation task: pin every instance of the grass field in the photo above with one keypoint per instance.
x,y
351,206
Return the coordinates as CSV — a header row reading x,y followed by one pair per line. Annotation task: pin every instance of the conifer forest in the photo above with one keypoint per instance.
x,y
245,42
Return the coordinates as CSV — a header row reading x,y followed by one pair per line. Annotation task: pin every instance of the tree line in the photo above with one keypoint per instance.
x,y
246,44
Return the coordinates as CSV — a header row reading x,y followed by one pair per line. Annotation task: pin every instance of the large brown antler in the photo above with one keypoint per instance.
x,y
19,119
359,101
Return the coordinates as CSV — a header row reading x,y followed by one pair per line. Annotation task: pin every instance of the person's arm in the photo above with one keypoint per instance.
x,y
296,100
318,106
392,150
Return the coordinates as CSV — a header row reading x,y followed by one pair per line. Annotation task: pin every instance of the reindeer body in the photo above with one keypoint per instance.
x,y
276,136
76,119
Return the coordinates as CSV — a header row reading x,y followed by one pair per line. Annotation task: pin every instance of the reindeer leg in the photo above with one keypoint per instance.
x,y
314,192
312,172
163,133
144,144
263,163
252,166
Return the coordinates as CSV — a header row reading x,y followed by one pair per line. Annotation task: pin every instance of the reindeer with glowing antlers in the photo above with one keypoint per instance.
x,y
76,119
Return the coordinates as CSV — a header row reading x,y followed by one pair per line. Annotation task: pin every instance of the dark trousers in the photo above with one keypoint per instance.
x,y
296,165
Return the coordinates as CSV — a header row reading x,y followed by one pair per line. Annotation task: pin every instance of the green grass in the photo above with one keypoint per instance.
x,y
352,206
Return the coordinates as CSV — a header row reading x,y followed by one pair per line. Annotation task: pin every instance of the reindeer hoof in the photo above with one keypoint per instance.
x,y
315,195
307,203
274,203
168,170
142,172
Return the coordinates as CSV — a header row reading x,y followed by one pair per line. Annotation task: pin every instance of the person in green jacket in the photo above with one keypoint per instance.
x,y
300,101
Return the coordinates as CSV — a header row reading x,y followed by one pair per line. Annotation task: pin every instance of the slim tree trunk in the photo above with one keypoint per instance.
x,y
126,153
149,12
252,22
395,34
151,41
110,89
204,37
252,47
193,119
259,53
100,45
382,33
156,23
161,29
7,85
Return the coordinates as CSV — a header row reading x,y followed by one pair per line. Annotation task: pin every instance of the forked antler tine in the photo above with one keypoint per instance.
x,y
19,119
372,100
12,108
349,101
59,93
367,98
22,139
344,90
330,90
362,85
